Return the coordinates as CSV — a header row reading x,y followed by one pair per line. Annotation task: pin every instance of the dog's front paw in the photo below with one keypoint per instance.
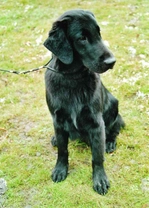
x,y
110,146
101,184
59,173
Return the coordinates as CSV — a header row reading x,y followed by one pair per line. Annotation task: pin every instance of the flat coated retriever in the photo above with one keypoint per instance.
x,y
80,105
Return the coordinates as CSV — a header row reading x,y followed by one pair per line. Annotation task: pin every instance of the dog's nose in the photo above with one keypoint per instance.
x,y
110,61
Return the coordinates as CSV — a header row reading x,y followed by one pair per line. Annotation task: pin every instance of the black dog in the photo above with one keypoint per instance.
x,y
80,105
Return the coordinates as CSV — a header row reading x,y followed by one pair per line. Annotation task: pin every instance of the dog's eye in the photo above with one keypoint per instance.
x,y
82,38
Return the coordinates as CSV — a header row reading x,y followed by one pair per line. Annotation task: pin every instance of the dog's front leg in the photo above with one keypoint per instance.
x,y
100,180
61,169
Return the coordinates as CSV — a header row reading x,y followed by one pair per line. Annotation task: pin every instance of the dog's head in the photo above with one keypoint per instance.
x,y
77,34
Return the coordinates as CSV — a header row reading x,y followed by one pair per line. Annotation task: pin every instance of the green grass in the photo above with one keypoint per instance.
x,y
26,155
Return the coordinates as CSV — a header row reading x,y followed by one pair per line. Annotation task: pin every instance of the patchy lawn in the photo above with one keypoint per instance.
x,y
26,155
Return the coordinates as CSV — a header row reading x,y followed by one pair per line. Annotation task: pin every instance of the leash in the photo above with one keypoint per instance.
x,y
31,70
39,68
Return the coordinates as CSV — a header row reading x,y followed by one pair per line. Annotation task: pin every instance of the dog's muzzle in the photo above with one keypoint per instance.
x,y
109,62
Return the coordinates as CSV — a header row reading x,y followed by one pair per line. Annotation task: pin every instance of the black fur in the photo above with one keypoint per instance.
x,y
80,105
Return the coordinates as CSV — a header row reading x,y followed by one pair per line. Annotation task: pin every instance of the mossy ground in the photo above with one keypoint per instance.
x,y
26,155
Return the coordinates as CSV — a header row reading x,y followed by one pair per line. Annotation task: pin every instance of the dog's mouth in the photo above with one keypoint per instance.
x,y
102,67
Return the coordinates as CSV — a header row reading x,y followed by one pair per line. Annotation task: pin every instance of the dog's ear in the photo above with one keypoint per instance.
x,y
58,43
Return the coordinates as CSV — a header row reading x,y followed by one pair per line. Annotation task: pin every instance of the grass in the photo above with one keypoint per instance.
x,y
26,155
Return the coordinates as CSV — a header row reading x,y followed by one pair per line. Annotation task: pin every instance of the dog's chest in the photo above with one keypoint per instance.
x,y
67,99
72,106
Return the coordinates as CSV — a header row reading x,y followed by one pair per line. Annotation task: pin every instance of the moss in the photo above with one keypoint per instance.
x,y
26,155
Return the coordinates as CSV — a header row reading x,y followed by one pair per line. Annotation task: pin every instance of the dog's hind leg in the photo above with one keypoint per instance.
x,y
113,133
